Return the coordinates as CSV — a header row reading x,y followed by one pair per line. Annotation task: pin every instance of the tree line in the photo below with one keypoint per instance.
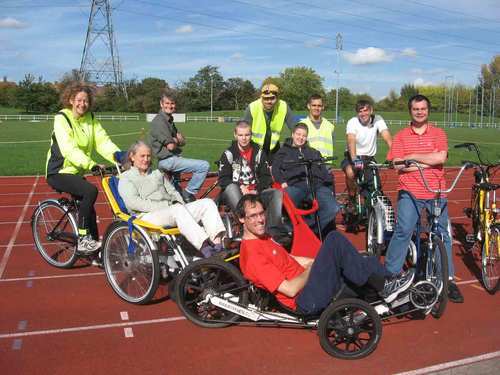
x,y
209,89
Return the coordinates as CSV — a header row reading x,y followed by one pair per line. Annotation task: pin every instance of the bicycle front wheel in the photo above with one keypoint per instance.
x,y
437,273
55,234
490,264
373,247
133,275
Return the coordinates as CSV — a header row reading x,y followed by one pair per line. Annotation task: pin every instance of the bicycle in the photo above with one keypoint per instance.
x,y
483,213
430,253
372,208
54,227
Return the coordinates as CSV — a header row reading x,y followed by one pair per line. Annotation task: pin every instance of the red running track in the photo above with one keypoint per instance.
x,y
69,321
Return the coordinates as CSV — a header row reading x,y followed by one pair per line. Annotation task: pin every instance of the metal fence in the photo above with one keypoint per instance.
x,y
37,118
342,122
232,120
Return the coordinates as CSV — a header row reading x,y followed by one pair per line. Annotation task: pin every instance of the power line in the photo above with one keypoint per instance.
x,y
412,37
267,36
453,11
419,15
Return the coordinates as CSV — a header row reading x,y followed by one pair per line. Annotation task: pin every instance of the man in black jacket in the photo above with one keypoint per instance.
x,y
294,178
244,169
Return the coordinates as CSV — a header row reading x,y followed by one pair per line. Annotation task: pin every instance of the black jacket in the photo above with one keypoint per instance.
x,y
231,165
296,174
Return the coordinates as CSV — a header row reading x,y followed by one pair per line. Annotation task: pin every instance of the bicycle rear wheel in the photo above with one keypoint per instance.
x,y
490,260
55,233
133,276
437,273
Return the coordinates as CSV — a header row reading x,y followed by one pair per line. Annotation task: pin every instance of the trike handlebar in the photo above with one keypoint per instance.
x,y
309,162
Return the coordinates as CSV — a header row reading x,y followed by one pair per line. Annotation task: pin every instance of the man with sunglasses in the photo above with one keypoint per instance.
x,y
267,115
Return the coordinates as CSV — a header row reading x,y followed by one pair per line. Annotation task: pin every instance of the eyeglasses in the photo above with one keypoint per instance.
x,y
269,98
255,216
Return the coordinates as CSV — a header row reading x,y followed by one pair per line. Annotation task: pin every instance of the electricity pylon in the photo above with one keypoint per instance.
x,y
100,61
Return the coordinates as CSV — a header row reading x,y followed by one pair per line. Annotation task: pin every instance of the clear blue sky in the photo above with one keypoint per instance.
x,y
386,43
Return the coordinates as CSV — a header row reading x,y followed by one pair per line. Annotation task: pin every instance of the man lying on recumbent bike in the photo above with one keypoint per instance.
x,y
305,284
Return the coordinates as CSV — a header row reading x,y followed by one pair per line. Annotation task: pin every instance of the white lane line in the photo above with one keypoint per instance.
x,y
465,282
448,365
52,277
128,332
17,344
89,328
29,283
34,205
6,256
29,221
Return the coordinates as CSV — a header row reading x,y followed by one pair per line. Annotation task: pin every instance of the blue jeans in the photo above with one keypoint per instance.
x,y
337,260
409,210
328,206
178,165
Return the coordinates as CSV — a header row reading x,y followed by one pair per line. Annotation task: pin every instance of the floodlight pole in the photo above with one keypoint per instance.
x,y
211,97
339,44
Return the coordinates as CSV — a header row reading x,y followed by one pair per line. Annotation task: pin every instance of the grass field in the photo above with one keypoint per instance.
x,y
24,145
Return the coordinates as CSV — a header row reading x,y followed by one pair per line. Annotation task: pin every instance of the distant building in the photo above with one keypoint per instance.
x,y
4,83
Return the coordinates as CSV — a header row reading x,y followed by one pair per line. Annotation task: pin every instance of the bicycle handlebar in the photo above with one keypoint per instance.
x,y
108,170
372,164
411,162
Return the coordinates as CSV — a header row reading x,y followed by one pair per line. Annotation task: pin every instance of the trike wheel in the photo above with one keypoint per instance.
x,y
209,277
437,273
490,260
55,234
134,275
349,329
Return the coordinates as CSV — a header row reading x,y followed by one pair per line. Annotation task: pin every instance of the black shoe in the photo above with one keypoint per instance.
x,y
187,196
454,294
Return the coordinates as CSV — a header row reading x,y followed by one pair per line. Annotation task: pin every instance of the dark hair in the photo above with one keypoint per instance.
x,y
252,200
419,98
72,90
300,125
362,103
132,150
314,97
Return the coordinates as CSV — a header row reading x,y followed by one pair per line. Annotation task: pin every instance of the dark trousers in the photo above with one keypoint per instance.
x,y
337,260
85,192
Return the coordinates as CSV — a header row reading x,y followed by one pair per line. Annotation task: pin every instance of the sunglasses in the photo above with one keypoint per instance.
x,y
269,92
269,97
